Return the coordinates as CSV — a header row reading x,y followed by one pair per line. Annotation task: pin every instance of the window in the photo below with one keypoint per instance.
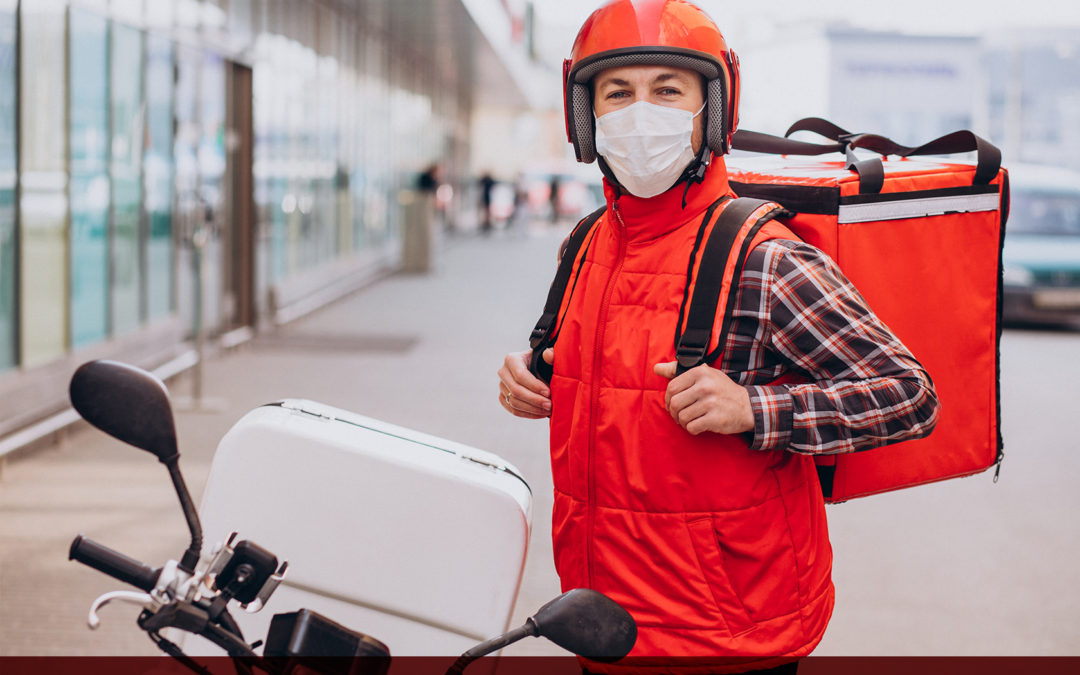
x,y
1044,211
43,286
7,184
127,147
158,176
88,121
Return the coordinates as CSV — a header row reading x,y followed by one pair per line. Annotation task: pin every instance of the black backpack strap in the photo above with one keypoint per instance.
x,y
871,172
755,141
987,155
692,341
545,333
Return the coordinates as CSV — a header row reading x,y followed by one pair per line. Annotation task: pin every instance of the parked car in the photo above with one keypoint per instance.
x,y
1042,247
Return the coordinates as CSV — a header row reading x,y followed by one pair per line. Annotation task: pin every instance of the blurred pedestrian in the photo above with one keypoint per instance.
x,y
520,214
428,180
427,184
553,196
487,186
692,499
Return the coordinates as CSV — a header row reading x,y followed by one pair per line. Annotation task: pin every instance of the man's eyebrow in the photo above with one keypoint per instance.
x,y
617,81
664,77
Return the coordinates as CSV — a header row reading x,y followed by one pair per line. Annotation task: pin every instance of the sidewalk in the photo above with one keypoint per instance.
x,y
419,351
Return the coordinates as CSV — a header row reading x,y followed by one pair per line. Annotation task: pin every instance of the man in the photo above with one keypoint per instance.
x,y
692,500
487,186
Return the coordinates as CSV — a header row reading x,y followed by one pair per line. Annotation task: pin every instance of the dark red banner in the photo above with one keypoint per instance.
x,y
404,665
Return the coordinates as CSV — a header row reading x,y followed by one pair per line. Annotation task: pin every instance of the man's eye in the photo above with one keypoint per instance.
x,y
669,91
618,94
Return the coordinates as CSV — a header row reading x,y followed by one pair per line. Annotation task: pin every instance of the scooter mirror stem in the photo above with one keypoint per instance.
x,y
528,629
191,514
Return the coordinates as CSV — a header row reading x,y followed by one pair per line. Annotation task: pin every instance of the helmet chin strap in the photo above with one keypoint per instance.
x,y
695,171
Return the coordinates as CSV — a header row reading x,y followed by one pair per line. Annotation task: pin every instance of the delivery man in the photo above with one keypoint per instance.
x,y
693,500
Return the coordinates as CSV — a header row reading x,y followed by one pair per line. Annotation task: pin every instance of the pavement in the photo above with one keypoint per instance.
x,y
965,567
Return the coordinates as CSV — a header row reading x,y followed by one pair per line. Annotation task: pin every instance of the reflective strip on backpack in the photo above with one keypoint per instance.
x,y
898,209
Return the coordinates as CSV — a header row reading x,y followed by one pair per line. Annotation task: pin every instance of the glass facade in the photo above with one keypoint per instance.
x,y
116,153
158,177
88,120
8,173
127,117
211,160
43,185
188,210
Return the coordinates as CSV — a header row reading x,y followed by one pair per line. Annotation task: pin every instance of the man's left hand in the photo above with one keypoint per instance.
x,y
706,399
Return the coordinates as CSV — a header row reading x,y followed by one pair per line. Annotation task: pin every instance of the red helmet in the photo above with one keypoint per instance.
x,y
651,32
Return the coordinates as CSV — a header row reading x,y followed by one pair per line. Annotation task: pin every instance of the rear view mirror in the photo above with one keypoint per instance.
x,y
128,404
132,405
582,621
587,623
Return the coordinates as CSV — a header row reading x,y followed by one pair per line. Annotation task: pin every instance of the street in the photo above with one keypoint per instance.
x,y
965,567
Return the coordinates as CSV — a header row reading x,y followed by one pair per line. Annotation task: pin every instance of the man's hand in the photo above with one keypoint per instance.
x,y
522,393
706,399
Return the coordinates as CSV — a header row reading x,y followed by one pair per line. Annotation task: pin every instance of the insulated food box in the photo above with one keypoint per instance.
x,y
924,250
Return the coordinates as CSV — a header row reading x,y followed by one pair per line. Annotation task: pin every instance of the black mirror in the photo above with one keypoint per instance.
x,y
587,623
133,406
128,404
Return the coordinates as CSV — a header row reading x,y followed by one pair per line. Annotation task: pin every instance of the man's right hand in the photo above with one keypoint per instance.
x,y
522,393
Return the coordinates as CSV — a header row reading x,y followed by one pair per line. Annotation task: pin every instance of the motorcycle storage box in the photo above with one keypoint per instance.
x,y
925,253
414,540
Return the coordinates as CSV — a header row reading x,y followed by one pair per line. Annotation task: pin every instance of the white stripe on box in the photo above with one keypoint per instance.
x,y
917,208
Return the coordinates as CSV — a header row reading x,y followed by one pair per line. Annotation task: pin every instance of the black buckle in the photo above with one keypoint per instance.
x,y
846,139
690,353
542,330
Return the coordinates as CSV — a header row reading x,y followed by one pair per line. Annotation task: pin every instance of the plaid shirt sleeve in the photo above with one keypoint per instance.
x,y
865,390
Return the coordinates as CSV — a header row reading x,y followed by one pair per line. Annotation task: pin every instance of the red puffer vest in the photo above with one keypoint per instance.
x,y
719,552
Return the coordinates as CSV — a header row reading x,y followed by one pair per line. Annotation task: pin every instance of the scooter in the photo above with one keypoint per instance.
x,y
193,595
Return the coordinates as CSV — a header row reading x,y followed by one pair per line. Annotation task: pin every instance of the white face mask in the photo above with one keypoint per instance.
x,y
646,145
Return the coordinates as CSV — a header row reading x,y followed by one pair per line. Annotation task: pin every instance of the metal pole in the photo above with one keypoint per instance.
x,y
200,239
197,403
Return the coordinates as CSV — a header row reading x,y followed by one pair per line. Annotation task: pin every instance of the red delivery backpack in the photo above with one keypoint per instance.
x,y
921,240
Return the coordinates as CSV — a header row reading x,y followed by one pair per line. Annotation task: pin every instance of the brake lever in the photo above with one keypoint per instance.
x,y
133,597
171,582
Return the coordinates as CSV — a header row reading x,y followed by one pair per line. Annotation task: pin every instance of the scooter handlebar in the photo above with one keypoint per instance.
x,y
116,565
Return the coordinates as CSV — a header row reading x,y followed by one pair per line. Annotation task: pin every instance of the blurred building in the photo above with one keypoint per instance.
x,y
269,141
1034,95
911,88
1018,88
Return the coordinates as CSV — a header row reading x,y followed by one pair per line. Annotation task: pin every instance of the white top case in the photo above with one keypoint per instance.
x,y
415,540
